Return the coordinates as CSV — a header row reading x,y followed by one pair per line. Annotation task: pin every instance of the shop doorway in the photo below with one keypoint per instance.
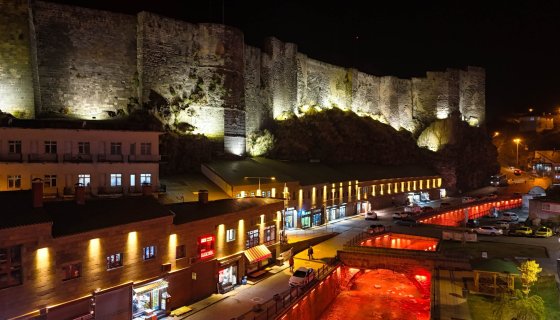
x,y
150,299
227,278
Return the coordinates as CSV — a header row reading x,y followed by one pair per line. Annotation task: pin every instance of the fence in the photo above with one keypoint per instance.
x,y
274,307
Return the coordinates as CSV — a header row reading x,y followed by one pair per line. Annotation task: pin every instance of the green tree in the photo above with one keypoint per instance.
x,y
520,307
259,143
530,270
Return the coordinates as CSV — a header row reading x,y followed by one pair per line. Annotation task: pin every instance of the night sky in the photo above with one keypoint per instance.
x,y
518,42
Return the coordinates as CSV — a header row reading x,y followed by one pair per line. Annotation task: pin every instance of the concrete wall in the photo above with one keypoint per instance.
x,y
86,60
16,83
89,63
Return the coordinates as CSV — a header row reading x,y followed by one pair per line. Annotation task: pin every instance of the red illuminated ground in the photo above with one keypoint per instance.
x,y
401,241
454,218
381,295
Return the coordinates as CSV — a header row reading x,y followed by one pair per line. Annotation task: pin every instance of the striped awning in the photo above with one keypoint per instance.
x,y
258,253
160,284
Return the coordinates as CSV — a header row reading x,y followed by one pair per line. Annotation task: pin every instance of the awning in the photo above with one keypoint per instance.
x,y
258,253
151,286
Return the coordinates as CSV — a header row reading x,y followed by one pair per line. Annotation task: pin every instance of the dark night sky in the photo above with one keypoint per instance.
x,y
516,41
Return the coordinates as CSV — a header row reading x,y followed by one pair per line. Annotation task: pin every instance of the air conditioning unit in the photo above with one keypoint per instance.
x,y
192,260
166,267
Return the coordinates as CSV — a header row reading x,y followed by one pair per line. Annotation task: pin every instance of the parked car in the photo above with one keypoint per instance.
x,y
445,204
517,172
371,215
509,216
501,224
406,222
400,215
472,223
375,228
491,196
468,199
523,231
544,232
489,230
414,208
427,209
302,277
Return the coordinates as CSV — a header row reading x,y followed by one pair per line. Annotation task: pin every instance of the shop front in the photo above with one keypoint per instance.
x,y
290,215
150,300
317,216
228,275
336,212
418,197
305,219
362,207
258,257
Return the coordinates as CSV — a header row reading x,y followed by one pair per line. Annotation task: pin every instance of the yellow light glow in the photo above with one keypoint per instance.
x,y
396,187
300,198
373,190
402,186
132,244
241,230
439,182
273,192
313,196
325,193
243,194
262,218
421,184
496,133
43,260
220,238
171,249
414,185
389,188
381,189
94,249
427,183
408,188
517,140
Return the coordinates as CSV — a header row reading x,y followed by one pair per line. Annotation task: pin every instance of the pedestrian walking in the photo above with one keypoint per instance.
x,y
310,253
291,263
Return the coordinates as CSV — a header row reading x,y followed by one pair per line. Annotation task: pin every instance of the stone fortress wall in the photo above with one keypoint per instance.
x,y
84,63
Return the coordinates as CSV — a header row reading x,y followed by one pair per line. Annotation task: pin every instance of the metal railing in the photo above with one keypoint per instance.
x,y
280,302
11,157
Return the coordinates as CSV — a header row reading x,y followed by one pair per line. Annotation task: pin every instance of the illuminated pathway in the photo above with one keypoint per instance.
x,y
453,218
401,241
383,294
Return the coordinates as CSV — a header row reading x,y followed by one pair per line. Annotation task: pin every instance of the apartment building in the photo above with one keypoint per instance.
x,y
65,153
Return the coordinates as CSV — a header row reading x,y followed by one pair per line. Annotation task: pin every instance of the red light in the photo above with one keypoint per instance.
x,y
206,254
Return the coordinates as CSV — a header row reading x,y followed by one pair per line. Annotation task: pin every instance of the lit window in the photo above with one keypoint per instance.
x,y
252,238
149,252
145,178
230,235
84,179
116,179
71,271
49,181
83,147
145,148
50,147
114,261
10,267
180,252
14,146
14,182
116,148
270,233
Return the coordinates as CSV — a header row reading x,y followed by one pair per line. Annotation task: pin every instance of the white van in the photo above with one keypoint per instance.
x,y
509,216
371,215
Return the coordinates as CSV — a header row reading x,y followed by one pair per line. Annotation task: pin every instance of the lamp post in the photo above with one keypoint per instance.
x,y
259,178
517,141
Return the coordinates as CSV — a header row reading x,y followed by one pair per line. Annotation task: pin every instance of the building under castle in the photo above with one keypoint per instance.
x,y
91,64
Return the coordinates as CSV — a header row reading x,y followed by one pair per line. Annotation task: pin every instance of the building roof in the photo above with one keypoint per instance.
x,y
71,218
193,211
495,265
119,124
17,210
68,217
185,187
309,173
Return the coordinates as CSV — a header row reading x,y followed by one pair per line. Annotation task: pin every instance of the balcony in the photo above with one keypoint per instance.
x,y
77,158
143,158
110,158
11,157
43,157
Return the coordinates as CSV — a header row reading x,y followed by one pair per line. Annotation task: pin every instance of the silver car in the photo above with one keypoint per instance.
x,y
489,230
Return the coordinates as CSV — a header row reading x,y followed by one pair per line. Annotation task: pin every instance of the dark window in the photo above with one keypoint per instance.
x,y
252,239
270,233
50,181
14,182
50,147
72,271
114,261
14,146
83,147
180,252
10,267
149,252
145,148
116,148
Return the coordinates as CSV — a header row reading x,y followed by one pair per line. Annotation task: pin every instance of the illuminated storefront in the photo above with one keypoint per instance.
x,y
290,215
417,197
363,207
336,212
317,215
228,275
150,300
306,219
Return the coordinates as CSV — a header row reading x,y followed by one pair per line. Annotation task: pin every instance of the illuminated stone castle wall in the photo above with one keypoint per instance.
x,y
86,63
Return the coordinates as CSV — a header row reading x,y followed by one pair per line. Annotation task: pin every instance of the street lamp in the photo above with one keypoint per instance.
x,y
259,178
517,140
